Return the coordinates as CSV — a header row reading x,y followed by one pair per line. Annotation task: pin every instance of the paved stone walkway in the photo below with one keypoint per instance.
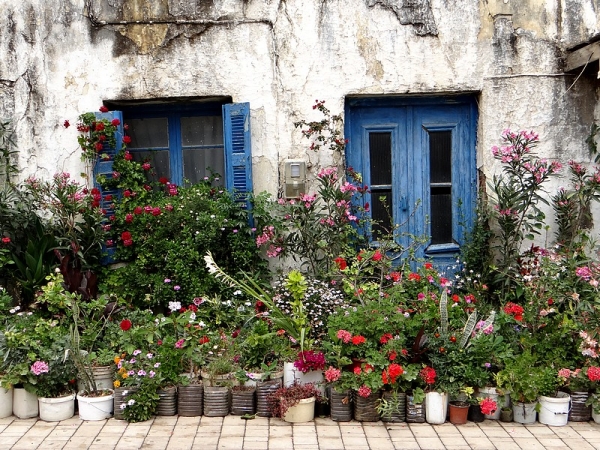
x,y
233,433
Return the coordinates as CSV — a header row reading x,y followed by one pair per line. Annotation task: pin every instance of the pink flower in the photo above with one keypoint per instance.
x,y
39,367
332,374
594,374
488,406
364,391
179,343
344,335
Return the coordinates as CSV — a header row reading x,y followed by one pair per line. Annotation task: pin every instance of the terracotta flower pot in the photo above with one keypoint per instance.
x,y
458,412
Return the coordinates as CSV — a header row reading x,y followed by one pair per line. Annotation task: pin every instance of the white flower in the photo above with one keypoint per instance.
x,y
12,311
192,316
131,402
201,323
238,292
174,306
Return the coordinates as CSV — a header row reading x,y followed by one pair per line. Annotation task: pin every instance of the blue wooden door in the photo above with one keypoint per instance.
x,y
418,158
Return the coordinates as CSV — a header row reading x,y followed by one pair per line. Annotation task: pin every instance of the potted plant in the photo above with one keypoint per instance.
x,y
459,406
54,384
295,403
397,380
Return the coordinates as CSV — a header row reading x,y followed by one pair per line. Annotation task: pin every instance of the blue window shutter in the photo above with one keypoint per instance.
x,y
238,157
104,166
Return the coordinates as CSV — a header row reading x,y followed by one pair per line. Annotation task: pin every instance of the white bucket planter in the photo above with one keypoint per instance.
x,y
256,377
554,411
524,412
596,416
25,404
95,408
57,409
304,411
491,392
6,402
291,375
436,407
103,377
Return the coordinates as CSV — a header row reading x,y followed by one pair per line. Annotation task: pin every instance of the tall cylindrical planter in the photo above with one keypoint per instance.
x,y
190,400
167,403
554,411
243,400
57,408
120,398
436,407
25,404
524,412
291,375
341,405
397,401
365,408
491,392
6,402
263,390
217,401
415,412
580,412
596,417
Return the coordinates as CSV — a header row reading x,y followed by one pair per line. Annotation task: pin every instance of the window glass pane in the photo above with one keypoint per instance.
x,y
203,130
148,133
441,215
159,160
380,151
381,209
440,145
196,164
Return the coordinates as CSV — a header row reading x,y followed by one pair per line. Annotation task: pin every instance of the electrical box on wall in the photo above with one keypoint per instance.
x,y
294,178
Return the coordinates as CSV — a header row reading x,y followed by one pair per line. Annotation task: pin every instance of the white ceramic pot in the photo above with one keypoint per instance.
x,y
6,402
57,409
524,412
304,411
95,408
436,407
554,411
596,416
291,375
25,404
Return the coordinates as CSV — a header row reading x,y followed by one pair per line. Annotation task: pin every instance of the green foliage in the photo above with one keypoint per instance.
x,y
140,405
526,379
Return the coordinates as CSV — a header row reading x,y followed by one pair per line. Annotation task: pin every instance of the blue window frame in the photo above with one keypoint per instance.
x,y
419,156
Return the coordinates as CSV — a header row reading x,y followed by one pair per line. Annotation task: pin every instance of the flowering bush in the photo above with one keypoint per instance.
x,y
95,134
488,406
308,360
286,397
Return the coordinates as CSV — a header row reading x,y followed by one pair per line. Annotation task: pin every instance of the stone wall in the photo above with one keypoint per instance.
x,y
63,58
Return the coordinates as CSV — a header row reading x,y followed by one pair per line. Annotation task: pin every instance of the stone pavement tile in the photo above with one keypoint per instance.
x,y
355,440
160,431
590,434
300,438
552,442
406,444
480,443
529,443
257,431
505,444
155,444
430,443
79,442
263,438
106,439
306,447
375,431
446,429
453,441
212,440
325,421
103,447
198,446
180,444
497,432
331,443
400,433
347,428
88,430
277,431
51,444
184,430
578,444
233,430
280,443
256,445
61,433
73,421
145,423
165,420
422,430
211,421
471,432
380,443
323,431
541,431
188,421
7,420
128,442
25,444
518,432
16,430
208,430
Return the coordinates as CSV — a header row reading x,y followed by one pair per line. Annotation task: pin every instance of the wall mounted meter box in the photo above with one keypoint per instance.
x,y
294,178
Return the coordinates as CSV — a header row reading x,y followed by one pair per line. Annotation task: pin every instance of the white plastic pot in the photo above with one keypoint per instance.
x,y
554,411
436,407
25,404
304,411
596,416
95,408
291,375
57,409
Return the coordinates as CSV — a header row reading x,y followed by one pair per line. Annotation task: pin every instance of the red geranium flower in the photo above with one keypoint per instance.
x,y
341,263
126,140
66,124
377,256
125,324
115,122
357,340
203,340
103,109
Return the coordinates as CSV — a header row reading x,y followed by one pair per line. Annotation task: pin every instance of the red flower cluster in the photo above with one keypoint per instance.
x,y
385,338
341,263
203,340
126,238
514,310
391,374
310,360
428,374
357,340
414,277
594,373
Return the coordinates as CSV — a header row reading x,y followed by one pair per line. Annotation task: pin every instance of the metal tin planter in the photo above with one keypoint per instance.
x,y
365,408
341,405
167,405
579,412
217,401
190,400
243,400
397,407
263,390
120,398
415,412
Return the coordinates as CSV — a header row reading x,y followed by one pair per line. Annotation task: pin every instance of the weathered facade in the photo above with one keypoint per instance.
x,y
60,59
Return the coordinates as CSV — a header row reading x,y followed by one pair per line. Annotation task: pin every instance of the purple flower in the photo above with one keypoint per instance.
x,y
131,373
157,365
132,361
176,287
136,352
141,373
167,280
151,374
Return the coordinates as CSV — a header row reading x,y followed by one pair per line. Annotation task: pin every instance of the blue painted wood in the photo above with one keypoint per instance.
x,y
238,157
410,120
